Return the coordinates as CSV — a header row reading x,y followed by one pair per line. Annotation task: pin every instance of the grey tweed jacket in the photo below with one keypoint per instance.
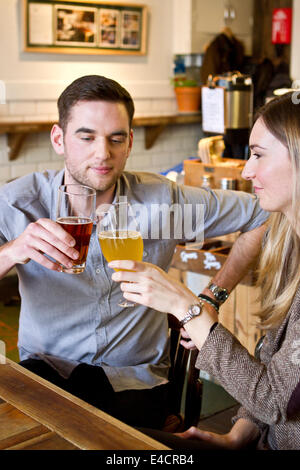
x,y
268,390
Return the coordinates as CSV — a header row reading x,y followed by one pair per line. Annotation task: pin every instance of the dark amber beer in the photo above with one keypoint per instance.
x,y
80,228
75,212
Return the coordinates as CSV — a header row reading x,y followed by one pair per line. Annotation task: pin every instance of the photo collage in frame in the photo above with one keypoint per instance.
x,y
90,25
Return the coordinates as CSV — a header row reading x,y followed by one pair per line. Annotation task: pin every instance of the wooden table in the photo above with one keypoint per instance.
x,y
37,415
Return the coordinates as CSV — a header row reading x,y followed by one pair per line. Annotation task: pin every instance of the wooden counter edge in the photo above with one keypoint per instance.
x,y
95,411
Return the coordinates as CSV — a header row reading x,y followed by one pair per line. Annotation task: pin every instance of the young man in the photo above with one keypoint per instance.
x,y
72,331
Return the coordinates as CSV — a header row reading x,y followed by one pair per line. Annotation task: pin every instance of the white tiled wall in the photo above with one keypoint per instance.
x,y
176,142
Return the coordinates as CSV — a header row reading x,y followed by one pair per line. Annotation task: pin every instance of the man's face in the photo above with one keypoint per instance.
x,y
96,144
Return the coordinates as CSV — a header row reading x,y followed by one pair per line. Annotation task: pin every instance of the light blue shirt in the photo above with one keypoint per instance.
x,y
68,319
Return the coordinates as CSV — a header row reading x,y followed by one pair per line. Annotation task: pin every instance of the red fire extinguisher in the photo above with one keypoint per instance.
x,y
281,25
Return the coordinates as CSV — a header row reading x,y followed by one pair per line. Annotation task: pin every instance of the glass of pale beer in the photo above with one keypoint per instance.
x,y
119,237
75,212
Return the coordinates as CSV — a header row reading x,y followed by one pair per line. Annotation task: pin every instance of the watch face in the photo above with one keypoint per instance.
x,y
196,309
222,295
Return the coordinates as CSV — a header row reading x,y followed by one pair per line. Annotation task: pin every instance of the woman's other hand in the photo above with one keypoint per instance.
x,y
223,441
242,435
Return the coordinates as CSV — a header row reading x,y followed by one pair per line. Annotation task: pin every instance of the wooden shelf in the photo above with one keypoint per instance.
x,y
154,126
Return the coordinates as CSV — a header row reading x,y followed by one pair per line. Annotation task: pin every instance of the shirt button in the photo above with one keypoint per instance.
x,y
98,271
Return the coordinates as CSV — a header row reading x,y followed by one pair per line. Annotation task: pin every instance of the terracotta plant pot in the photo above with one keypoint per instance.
x,y
188,99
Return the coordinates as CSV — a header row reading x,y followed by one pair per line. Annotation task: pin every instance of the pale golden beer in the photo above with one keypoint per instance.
x,y
119,237
121,244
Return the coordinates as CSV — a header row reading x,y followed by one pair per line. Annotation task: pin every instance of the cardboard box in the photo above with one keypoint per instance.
x,y
229,168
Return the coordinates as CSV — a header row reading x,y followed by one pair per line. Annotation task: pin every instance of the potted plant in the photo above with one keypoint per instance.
x,y
188,95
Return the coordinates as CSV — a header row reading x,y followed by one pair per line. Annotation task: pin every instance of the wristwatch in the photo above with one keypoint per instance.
x,y
220,293
193,311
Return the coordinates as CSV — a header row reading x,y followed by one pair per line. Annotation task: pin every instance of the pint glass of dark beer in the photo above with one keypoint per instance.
x,y
75,212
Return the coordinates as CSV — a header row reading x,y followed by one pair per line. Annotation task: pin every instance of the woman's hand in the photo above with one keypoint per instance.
x,y
221,440
243,434
149,285
159,290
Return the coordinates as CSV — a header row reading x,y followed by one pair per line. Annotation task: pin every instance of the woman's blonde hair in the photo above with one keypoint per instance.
x,y
279,268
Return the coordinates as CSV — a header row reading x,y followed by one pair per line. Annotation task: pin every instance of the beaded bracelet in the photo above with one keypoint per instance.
x,y
210,301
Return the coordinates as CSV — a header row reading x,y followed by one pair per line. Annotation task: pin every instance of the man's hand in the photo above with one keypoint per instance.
x,y
243,256
40,238
186,341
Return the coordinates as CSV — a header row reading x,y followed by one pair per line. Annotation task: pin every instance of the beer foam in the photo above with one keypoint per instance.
x,y
73,220
120,234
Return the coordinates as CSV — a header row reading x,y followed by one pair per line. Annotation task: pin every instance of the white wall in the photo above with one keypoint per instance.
x,y
34,81
182,26
197,22
32,75
295,59
208,21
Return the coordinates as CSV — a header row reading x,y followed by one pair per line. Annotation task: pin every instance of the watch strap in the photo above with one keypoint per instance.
x,y
190,315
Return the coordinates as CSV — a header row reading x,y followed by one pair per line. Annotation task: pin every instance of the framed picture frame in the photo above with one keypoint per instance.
x,y
84,27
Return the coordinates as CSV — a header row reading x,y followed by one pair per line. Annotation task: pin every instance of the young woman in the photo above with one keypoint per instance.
x,y
268,390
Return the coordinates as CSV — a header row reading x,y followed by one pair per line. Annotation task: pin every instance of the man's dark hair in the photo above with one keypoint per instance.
x,y
92,88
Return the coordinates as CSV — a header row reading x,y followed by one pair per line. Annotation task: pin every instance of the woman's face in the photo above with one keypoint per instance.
x,y
270,170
